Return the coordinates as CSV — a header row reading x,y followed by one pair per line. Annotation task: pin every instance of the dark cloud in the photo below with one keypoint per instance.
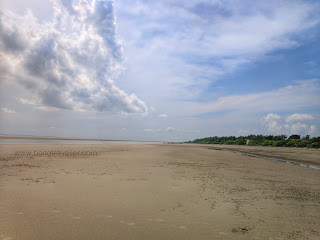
x,y
53,98
10,39
28,84
42,62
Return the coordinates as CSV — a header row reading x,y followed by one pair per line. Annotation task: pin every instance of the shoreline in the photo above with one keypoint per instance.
x,y
66,139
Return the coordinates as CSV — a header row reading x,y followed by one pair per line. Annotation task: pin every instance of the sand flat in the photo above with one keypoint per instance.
x,y
157,192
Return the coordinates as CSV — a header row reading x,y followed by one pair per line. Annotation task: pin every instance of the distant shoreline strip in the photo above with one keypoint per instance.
x,y
65,139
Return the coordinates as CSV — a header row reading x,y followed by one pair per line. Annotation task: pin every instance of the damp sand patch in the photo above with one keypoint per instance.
x,y
266,158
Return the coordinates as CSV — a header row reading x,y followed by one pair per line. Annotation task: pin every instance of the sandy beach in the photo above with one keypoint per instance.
x,y
160,191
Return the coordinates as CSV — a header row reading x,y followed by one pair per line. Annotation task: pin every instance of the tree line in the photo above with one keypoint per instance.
x,y
264,140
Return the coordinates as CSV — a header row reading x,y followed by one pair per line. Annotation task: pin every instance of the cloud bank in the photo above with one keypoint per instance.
x,y
69,62
300,95
293,124
299,118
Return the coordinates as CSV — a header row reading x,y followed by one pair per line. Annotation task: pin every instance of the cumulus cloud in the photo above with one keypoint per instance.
x,y
302,128
293,124
299,118
69,62
273,123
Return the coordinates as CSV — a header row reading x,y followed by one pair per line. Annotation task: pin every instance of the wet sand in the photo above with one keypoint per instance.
x,y
299,155
157,192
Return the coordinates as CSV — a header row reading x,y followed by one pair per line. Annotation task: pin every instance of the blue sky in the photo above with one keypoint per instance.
x,y
159,70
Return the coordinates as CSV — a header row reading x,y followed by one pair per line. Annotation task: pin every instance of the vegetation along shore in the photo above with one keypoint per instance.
x,y
262,140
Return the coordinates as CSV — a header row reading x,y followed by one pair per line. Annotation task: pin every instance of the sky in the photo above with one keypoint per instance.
x,y
159,70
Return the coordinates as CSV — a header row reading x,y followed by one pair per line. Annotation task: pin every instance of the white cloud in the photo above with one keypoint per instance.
x,y
312,129
69,62
7,110
28,101
275,124
208,39
289,98
163,115
152,130
172,129
299,118
302,128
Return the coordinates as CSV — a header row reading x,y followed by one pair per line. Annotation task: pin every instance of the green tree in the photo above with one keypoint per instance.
x,y
294,136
